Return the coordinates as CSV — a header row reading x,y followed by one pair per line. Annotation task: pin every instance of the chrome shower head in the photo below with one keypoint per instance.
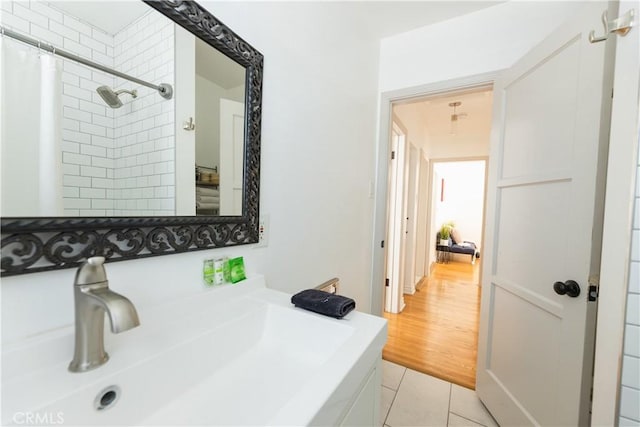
x,y
111,97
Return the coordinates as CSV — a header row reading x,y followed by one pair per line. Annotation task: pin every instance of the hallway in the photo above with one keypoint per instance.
x,y
437,332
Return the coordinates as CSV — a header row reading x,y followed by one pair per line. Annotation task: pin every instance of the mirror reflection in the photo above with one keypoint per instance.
x,y
219,133
80,141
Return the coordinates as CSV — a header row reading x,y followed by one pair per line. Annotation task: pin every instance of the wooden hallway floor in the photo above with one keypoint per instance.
x,y
437,332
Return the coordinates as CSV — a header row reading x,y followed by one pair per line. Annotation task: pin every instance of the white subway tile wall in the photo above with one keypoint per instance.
x,y
116,162
630,384
144,129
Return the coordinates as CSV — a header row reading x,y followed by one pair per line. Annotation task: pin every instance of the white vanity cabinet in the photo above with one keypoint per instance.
x,y
356,402
365,410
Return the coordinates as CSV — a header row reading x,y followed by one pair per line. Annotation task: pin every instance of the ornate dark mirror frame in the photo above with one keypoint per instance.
x,y
41,244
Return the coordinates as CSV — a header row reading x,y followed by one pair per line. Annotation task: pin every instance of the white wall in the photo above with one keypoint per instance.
x,y
433,225
450,147
236,93
484,41
318,129
208,95
43,302
318,132
412,118
463,198
207,118
474,143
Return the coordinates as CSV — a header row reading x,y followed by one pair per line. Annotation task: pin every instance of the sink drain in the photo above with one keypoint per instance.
x,y
107,398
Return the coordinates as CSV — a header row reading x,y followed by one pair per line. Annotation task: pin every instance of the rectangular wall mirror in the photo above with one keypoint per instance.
x,y
127,120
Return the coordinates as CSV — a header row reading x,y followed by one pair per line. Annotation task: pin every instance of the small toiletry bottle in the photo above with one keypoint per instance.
x,y
218,271
208,272
237,269
226,269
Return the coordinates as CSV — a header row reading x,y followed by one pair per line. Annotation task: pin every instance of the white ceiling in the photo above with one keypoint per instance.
x,y
217,67
386,18
375,18
370,18
110,16
436,115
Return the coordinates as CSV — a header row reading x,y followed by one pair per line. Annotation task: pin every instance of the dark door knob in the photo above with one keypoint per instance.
x,y
570,287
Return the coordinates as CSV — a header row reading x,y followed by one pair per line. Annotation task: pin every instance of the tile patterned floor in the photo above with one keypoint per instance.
x,y
411,398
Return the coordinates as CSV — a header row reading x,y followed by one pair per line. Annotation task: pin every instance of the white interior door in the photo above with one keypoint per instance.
x,y
422,232
231,156
390,261
394,301
411,221
544,219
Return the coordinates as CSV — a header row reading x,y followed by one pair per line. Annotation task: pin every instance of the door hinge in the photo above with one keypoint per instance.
x,y
386,282
393,155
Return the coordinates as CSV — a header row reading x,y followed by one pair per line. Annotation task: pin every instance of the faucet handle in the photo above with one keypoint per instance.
x,y
92,271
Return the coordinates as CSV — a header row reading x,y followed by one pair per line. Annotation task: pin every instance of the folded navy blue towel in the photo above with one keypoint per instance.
x,y
323,302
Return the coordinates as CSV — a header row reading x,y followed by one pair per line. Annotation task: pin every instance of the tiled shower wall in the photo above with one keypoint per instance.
x,y
115,162
630,387
144,181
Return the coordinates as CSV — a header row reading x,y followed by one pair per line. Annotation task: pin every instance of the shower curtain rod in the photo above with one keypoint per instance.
x,y
164,89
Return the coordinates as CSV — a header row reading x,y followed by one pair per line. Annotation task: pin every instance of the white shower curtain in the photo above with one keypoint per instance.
x,y
30,122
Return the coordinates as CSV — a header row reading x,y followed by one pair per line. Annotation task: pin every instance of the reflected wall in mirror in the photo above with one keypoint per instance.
x,y
90,144
106,158
218,106
220,89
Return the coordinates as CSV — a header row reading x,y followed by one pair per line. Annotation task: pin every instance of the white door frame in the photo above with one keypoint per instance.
x,y
622,166
395,230
389,261
382,168
618,223
423,224
411,202
231,156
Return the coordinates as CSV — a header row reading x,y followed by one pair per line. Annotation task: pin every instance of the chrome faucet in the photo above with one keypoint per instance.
x,y
93,299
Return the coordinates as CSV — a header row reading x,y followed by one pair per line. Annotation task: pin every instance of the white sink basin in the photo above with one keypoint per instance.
x,y
240,355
